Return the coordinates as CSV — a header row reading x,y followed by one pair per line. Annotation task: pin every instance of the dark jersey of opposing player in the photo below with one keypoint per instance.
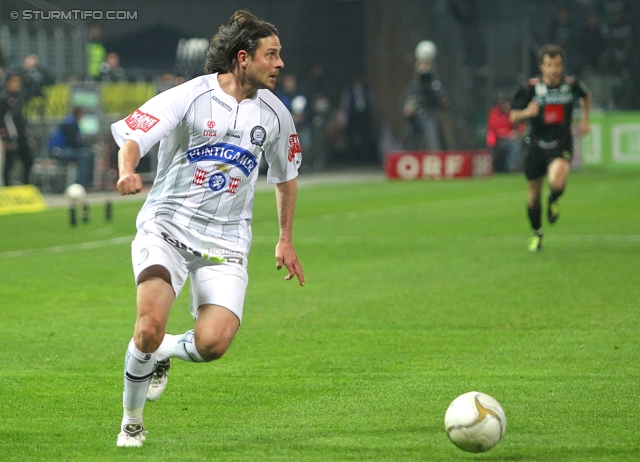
x,y
552,126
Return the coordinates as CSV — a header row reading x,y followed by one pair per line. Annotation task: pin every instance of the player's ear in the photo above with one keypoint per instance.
x,y
243,58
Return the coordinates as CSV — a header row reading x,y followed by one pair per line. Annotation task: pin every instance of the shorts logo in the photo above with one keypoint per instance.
x,y
144,254
258,135
208,131
294,147
214,255
139,120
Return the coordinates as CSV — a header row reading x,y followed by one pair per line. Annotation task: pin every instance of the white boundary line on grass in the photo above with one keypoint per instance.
x,y
310,239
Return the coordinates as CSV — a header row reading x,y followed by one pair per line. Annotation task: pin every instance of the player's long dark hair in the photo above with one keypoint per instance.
x,y
242,33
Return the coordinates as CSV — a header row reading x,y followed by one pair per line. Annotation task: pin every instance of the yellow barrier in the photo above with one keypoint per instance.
x,y
21,199
117,98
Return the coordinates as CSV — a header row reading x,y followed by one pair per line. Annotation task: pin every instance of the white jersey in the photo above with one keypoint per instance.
x,y
210,150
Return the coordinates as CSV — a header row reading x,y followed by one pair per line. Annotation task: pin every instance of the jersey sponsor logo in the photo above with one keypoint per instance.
x,y
226,153
553,114
208,130
258,135
221,103
139,120
294,147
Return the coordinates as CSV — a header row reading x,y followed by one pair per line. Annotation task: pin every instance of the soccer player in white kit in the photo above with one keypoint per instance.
x,y
196,221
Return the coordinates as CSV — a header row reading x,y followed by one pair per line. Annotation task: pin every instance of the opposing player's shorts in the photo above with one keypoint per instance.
x,y
218,275
539,156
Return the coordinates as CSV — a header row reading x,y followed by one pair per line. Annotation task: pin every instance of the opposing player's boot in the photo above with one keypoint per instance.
x,y
535,243
131,436
159,379
553,212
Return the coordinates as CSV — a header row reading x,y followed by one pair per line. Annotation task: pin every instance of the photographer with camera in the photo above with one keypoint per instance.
x,y
424,99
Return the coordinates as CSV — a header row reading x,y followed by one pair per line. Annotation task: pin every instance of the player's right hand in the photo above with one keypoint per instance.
x,y
130,183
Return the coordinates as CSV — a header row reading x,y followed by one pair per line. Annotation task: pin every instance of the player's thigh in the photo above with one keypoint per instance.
x,y
558,172
535,163
153,257
222,285
215,329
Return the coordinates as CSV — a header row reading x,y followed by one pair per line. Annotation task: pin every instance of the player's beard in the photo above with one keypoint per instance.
x,y
261,84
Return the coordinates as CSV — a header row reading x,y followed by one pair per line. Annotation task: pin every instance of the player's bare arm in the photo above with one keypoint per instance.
x,y
585,103
285,252
531,110
129,182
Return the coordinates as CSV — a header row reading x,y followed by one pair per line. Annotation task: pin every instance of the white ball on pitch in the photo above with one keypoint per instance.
x,y
426,51
475,422
75,192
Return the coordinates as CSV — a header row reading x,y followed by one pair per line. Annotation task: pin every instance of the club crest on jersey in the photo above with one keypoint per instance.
x,y
217,182
225,153
258,135
139,120
208,129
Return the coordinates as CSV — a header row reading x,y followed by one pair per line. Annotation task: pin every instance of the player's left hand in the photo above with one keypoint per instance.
x,y
286,256
584,126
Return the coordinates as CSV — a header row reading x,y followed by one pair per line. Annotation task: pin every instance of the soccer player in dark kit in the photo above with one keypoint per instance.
x,y
548,101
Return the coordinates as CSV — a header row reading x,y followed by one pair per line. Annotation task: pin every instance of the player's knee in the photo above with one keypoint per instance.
x,y
556,184
148,336
213,349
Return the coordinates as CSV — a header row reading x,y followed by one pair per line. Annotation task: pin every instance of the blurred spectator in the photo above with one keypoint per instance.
x,y
563,33
590,44
96,52
67,144
423,100
166,81
296,103
619,44
317,113
618,59
16,138
357,102
34,77
3,64
562,29
504,138
110,70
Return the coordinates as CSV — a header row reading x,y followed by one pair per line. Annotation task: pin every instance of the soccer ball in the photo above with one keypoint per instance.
x,y
475,422
75,192
426,51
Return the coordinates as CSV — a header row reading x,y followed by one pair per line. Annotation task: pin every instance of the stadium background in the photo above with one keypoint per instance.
x,y
484,48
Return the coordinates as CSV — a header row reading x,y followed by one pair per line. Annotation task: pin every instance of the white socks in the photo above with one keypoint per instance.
x,y
138,369
179,346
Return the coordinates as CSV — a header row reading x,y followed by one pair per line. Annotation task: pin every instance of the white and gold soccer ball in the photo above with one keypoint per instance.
x,y
75,192
475,422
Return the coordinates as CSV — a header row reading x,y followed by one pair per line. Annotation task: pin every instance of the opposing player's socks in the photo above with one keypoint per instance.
x,y
535,216
138,369
179,346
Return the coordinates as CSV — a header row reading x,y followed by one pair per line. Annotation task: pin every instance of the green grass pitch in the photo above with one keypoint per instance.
x,y
416,292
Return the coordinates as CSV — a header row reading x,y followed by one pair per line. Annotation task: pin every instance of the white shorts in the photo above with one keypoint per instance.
x,y
218,275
